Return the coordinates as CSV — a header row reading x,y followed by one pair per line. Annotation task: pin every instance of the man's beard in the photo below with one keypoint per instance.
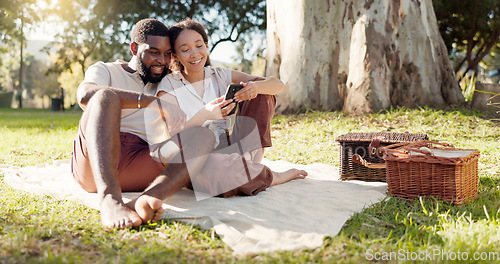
x,y
146,74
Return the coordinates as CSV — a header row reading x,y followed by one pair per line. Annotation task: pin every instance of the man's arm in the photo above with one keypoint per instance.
x,y
129,99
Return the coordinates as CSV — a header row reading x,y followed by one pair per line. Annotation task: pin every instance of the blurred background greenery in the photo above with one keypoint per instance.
x,y
46,45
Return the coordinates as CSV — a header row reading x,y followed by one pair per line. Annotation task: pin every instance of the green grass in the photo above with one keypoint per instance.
x,y
41,229
33,136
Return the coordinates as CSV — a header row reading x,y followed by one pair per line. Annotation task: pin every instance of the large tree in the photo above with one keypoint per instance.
x,y
469,27
360,56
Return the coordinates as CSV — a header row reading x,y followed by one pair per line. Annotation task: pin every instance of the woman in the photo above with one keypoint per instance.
x,y
199,90
196,84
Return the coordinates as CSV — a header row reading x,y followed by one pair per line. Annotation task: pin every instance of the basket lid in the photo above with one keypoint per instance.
x,y
385,137
444,153
430,152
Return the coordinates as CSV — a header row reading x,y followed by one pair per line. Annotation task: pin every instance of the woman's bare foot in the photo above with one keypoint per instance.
x,y
148,208
286,176
117,215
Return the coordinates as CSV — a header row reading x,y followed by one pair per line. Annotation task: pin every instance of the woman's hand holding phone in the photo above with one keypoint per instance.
x,y
218,109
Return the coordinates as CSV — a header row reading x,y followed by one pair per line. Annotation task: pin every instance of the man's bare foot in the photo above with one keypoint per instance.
x,y
117,215
286,176
148,208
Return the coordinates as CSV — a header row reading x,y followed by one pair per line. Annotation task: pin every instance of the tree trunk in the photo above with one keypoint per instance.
x,y
21,69
359,56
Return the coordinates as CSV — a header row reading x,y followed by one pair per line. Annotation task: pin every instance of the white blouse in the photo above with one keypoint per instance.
x,y
215,85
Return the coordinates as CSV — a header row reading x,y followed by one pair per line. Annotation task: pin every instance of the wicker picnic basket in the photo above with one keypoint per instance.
x,y
428,168
360,156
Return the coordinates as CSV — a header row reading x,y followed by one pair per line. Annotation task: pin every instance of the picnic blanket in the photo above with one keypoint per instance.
x,y
292,216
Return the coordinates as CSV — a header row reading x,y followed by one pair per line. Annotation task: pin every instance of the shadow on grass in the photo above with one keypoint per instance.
x,y
463,110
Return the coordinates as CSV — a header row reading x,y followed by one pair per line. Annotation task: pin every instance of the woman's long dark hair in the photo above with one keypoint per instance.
x,y
176,30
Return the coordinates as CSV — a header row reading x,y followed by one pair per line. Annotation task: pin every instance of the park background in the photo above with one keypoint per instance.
x,y
42,229
313,46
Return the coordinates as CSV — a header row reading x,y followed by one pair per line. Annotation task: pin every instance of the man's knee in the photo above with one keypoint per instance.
x,y
105,97
104,102
104,105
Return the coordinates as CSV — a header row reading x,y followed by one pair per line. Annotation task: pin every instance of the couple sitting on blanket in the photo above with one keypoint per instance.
x,y
117,147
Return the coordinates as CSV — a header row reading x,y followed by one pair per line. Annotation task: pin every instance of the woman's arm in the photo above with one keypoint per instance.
x,y
255,85
212,111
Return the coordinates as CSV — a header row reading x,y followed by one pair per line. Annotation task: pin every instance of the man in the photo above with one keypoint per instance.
x,y
111,153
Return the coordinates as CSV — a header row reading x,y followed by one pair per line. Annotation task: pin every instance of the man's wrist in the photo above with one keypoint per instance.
x,y
139,100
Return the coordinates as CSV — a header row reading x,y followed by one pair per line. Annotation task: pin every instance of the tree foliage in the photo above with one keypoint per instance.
x,y
69,80
224,20
99,29
84,36
469,27
9,70
16,16
92,30
12,12
37,81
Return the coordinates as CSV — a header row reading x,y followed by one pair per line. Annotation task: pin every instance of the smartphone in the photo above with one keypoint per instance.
x,y
231,90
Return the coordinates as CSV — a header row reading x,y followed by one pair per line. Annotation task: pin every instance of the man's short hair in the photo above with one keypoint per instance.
x,y
148,26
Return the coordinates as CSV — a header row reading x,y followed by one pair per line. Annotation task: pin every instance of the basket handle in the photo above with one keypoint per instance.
x,y
356,158
393,146
431,142
425,151
374,147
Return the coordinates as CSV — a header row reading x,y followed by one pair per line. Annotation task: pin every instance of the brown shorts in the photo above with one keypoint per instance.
x,y
136,168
